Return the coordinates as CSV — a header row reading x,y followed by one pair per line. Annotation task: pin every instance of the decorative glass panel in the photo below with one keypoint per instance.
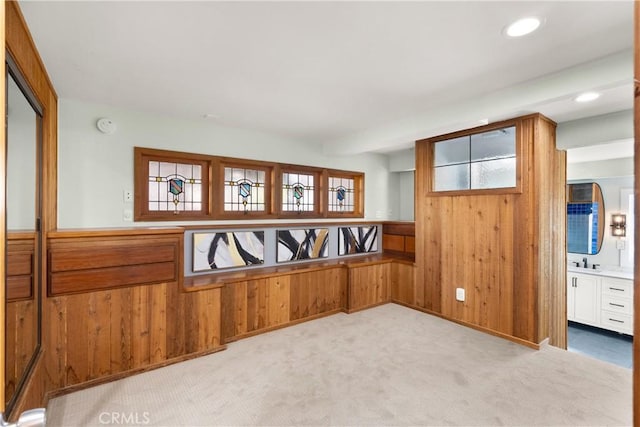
x,y
341,194
295,245
212,251
451,151
297,192
480,161
175,187
355,240
492,145
244,189
494,173
449,178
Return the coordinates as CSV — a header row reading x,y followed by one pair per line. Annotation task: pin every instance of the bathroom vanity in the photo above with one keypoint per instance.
x,y
601,298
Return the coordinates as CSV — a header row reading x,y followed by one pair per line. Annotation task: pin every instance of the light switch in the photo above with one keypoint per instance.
x,y
460,294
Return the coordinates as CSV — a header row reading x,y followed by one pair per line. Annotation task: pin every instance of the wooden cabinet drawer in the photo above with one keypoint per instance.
x,y
617,322
617,287
618,305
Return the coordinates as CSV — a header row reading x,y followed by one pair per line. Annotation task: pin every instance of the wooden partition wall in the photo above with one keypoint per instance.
x,y
506,250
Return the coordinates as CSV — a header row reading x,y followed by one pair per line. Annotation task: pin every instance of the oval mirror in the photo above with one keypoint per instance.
x,y
585,218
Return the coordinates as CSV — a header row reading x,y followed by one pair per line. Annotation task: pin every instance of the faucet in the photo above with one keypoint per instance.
x,y
584,262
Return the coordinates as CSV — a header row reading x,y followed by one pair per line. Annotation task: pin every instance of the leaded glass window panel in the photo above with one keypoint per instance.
x,y
174,187
341,194
298,191
244,190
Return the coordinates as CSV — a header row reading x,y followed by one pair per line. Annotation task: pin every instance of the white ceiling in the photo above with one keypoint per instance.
x,y
353,76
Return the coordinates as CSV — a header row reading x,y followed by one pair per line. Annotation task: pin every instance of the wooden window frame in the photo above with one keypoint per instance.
x,y
319,188
142,157
214,188
218,188
468,132
358,197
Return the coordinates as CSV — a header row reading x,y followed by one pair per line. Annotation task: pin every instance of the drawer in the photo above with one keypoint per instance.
x,y
617,287
617,305
617,322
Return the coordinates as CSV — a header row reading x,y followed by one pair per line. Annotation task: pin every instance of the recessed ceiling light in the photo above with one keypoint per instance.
x,y
587,97
523,27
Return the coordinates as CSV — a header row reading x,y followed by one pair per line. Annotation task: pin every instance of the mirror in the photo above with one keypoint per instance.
x,y
23,145
585,218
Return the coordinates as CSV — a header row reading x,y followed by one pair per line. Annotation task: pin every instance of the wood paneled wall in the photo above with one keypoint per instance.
x,y
369,285
262,304
504,249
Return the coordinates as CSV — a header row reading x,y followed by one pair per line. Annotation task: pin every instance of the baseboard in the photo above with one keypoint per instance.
x,y
120,375
516,340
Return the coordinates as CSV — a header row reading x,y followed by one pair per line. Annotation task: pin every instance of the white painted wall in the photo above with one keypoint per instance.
x,y
95,169
601,169
407,196
608,256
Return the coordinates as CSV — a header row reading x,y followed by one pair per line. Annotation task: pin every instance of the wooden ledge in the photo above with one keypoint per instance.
x,y
217,280
109,232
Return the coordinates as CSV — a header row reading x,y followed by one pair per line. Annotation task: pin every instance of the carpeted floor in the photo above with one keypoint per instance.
x,y
389,365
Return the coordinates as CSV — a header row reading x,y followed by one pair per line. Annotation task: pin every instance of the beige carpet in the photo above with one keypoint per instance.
x,y
385,366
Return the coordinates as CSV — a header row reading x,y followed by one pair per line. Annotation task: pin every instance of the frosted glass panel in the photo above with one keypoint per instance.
x,y
454,177
495,144
493,174
451,151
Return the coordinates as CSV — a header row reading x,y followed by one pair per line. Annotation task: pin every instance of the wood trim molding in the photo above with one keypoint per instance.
x,y
214,192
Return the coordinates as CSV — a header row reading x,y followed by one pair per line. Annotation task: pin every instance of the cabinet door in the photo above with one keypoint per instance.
x,y
586,300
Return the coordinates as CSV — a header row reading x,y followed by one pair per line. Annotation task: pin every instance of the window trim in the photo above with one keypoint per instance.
x,y
358,197
141,211
213,181
517,123
317,191
218,188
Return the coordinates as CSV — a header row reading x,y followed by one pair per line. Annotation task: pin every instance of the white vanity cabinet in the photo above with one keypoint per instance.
x,y
583,293
600,300
617,305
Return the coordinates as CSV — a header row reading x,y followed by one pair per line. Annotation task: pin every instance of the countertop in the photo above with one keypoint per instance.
x,y
618,273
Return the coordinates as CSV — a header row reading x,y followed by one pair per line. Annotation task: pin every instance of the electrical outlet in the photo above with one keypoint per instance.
x,y
460,294
128,195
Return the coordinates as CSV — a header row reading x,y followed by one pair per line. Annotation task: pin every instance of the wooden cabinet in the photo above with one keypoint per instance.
x,y
583,291
601,301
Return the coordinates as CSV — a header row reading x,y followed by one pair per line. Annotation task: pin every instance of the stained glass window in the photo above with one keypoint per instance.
x,y
341,194
244,189
297,192
174,187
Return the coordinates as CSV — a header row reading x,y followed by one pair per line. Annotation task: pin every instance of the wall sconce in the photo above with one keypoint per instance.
x,y
618,225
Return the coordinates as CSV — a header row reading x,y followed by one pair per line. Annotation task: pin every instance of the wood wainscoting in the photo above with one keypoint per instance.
x,y
97,329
